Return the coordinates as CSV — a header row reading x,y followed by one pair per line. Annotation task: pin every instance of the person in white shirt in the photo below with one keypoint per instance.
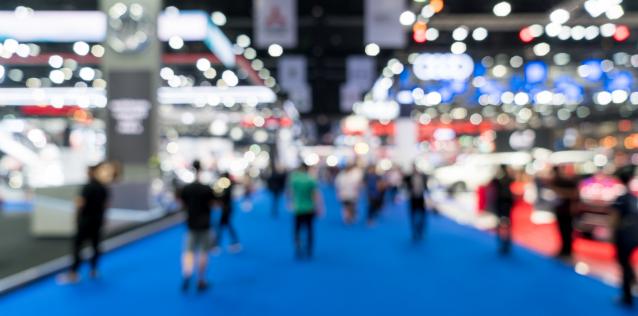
x,y
348,184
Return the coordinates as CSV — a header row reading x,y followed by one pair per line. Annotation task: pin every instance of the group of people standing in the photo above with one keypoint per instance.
x,y
623,213
380,186
351,183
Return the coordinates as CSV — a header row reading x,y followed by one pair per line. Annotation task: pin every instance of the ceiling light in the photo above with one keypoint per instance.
x,y
553,29
432,34
460,33
541,49
407,18
615,12
275,50
480,34
458,48
218,18
502,9
608,30
175,42
81,48
203,64
560,16
372,49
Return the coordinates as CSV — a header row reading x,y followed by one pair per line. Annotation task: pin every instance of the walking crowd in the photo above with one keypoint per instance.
x,y
372,187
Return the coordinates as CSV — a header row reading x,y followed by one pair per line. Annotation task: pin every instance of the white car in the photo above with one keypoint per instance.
x,y
473,170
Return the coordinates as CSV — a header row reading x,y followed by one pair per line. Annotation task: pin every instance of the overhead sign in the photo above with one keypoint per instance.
x,y
348,96
292,71
361,71
275,22
91,26
58,26
443,66
382,24
301,96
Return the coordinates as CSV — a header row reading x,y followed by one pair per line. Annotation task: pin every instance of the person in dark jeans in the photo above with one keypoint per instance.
x,y
306,203
566,189
224,193
416,184
91,206
276,185
374,191
503,203
625,226
197,200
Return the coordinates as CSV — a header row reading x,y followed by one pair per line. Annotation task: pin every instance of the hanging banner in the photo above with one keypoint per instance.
x,y
382,24
301,96
361,71
292,71
349,95
275,23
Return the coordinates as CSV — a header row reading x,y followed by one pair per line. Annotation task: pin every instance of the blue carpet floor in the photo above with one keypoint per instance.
x,y
356,271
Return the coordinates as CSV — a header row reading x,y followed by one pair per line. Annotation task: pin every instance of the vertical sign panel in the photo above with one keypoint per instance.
x,y
382,24
129,122
292,71
361,71
275,22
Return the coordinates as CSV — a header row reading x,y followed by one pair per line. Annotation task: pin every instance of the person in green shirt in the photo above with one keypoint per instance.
x,y
306,203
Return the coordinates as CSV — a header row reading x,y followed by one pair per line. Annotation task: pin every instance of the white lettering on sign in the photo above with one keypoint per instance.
x,y
443,66
129,115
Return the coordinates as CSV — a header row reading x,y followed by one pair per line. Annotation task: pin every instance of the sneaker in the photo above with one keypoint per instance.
x,y
186,284
624,302
235,248
202,286
68,278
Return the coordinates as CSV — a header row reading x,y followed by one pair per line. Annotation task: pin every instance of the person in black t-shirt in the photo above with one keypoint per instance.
x,y
91,205
503,203
197,200
416,183
566,189
625,226
276,185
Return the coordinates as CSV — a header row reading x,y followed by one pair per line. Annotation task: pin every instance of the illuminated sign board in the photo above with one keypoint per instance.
x,y
91,26
443,67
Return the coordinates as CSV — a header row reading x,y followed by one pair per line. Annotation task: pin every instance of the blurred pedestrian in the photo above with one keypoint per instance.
x,y
276,185
566,189
416,184
197,200
348,185
91,207
503,201
223,188
375,189
306,204
394,178
625,226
